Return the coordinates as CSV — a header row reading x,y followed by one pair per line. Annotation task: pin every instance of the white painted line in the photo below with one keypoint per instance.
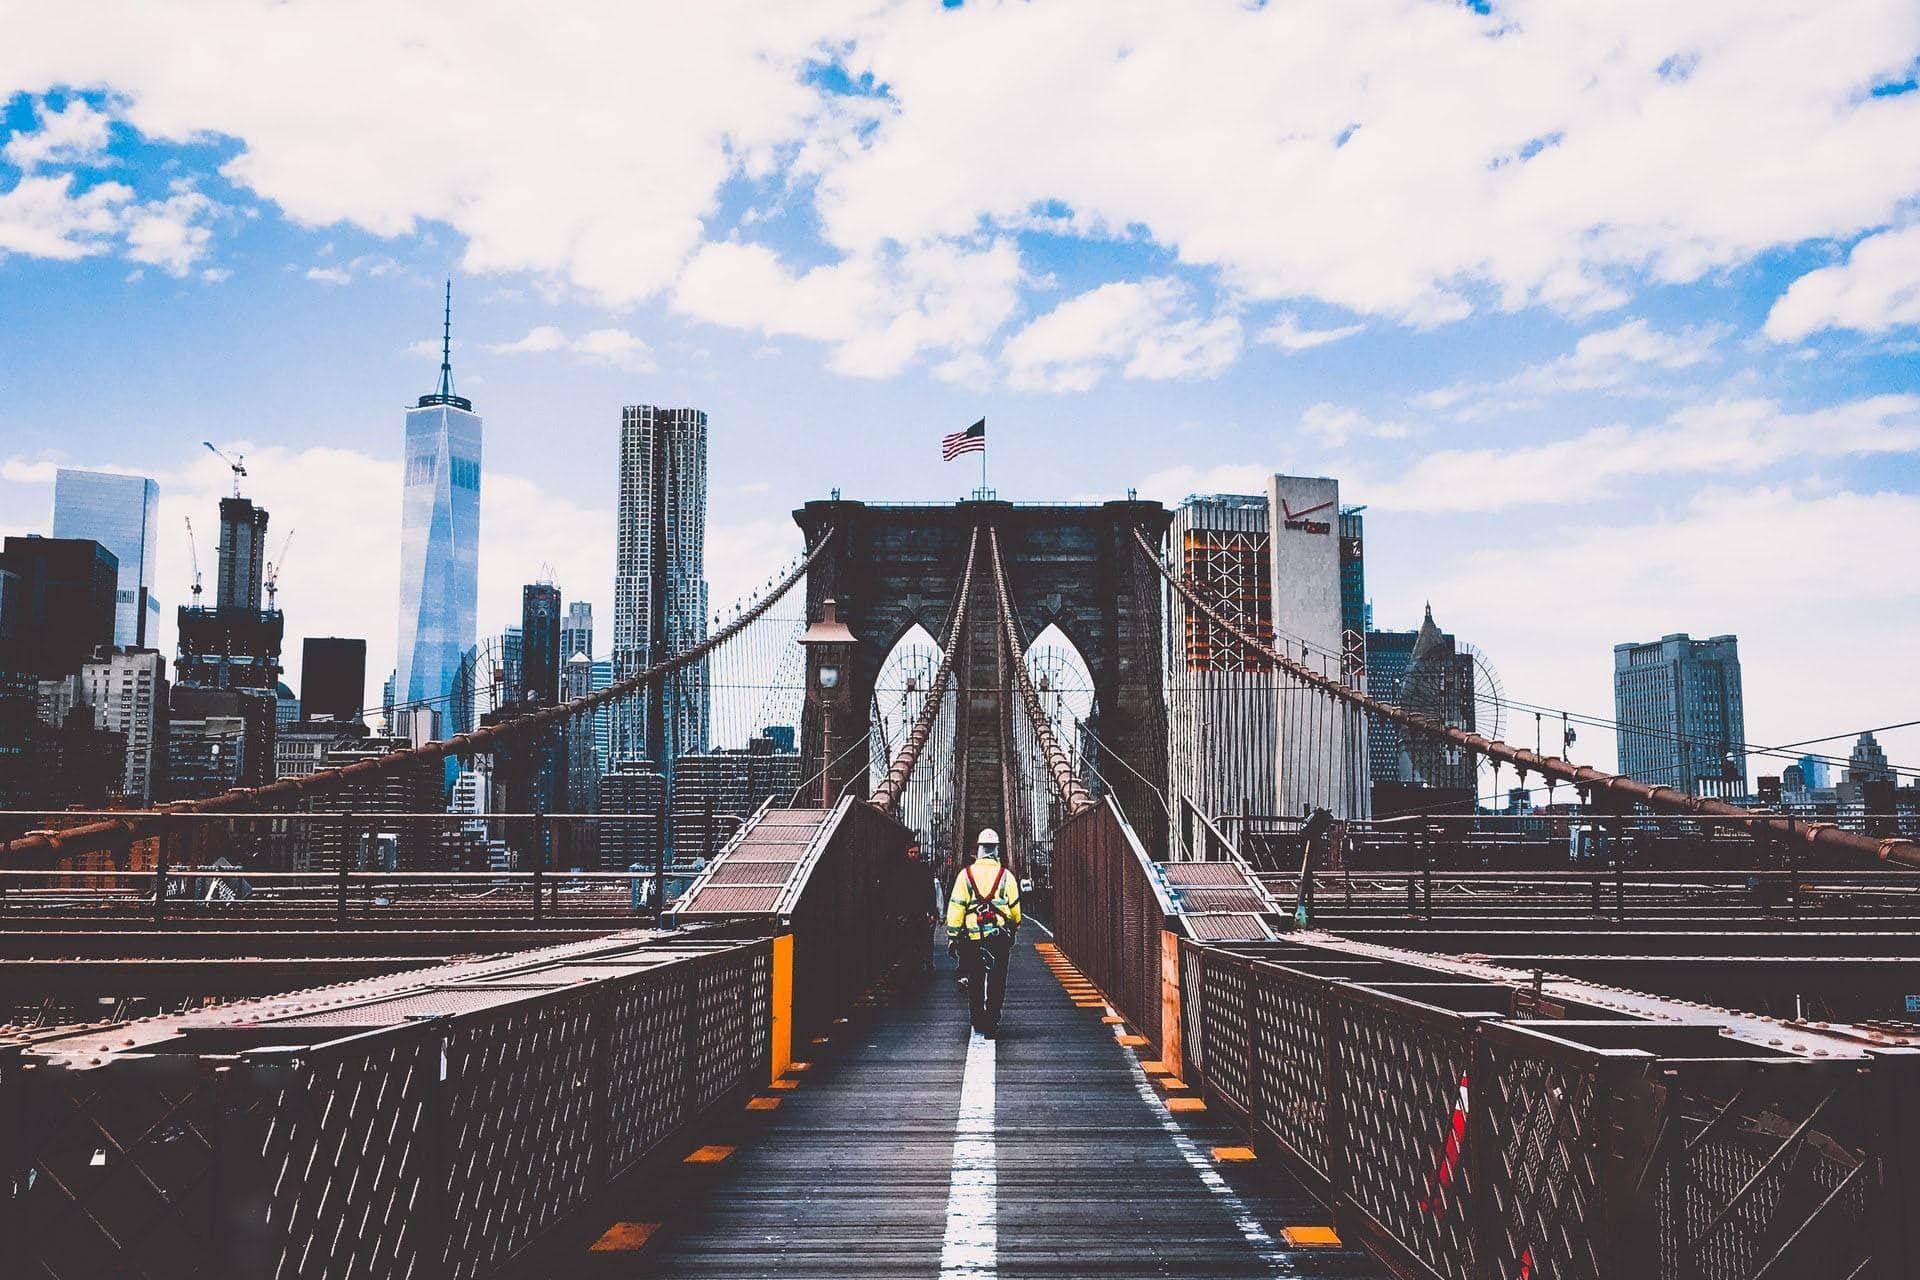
x,y
972,1243
1250,1229
1036,924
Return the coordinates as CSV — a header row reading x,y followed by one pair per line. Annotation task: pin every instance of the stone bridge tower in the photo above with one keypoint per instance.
x,y
1074,566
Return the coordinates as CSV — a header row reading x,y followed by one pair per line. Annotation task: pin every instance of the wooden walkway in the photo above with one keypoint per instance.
x,y
909,1148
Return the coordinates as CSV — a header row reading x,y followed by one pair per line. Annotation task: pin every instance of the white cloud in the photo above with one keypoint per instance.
x,y
216,275
42,217
1415,162
1336,426
73,134
328,275
1148,330
1290,335
1398,160
168,233
1874,290
1730,437
615,347
1174,484
881,310
1616,359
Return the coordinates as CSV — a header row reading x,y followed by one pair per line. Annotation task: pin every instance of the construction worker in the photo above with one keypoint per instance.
x,y
983,914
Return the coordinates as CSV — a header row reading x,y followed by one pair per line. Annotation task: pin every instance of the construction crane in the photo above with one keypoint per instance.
x,y
273,571
193,553
237,465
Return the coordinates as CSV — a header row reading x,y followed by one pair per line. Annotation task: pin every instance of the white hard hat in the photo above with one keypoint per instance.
x,y
988,836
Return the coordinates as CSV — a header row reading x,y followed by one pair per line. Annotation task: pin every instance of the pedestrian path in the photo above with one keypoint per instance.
x,y
909,1147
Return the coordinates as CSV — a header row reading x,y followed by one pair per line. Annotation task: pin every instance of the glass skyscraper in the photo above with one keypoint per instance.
x,y
660,582
1682,719
121,513
439,542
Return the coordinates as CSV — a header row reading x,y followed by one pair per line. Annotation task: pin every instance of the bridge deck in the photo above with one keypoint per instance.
x,y
854,1173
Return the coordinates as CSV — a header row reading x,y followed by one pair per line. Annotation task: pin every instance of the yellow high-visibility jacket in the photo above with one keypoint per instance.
x,y
970,887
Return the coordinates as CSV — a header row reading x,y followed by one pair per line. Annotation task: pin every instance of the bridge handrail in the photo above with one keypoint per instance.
x,y
99,835
1585,778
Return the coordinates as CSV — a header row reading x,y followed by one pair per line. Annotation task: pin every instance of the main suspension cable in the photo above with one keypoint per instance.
x,y
101,835
1583,777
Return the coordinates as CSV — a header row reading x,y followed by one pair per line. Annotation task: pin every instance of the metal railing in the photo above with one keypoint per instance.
x,y
1467,1133
430,1130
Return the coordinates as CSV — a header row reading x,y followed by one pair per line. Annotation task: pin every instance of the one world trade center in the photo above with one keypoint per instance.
x,y
439,554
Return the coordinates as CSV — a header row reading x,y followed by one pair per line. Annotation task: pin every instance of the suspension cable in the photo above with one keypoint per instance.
x,y
1584,777
101,835
1065,780
894,785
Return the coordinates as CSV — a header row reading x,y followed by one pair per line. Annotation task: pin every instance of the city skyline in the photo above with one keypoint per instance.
x,y
1669,365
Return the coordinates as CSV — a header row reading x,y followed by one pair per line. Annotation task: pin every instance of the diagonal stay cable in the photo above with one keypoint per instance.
x,y
900,770
1065,780
1585,777
100,835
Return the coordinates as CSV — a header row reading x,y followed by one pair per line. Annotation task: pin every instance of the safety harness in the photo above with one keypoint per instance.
x,y
986,908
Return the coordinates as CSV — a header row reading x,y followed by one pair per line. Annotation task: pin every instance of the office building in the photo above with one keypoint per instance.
x,y
377,835
235,644
512,647
122,514
1355,616
439,539
540,653
1868,763
53,766
300,747
660,586
576,631
633,797
1322,753
333,677
1222,709
582,759
127,691
60,608
714,791
1432,675
1678,704
602,678
208,754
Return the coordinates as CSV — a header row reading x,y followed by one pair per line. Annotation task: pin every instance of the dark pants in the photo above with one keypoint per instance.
x,y
985,965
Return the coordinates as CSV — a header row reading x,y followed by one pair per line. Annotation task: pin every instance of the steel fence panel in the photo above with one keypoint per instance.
x,y
1291,1041
430,1148
1469,1146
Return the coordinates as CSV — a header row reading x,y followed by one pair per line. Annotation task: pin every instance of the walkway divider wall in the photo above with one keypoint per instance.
x,y
1110,911
427,1126
1472,1130
828,878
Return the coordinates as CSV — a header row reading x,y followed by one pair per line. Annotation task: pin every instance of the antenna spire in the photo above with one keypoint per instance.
x,y
446,345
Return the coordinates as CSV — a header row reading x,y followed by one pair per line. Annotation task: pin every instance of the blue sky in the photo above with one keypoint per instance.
x,y
1610,317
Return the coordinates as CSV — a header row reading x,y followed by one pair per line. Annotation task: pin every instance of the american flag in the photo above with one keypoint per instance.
x,y
972,440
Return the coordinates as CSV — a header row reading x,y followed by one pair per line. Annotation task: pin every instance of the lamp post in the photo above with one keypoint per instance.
x,y
829,647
